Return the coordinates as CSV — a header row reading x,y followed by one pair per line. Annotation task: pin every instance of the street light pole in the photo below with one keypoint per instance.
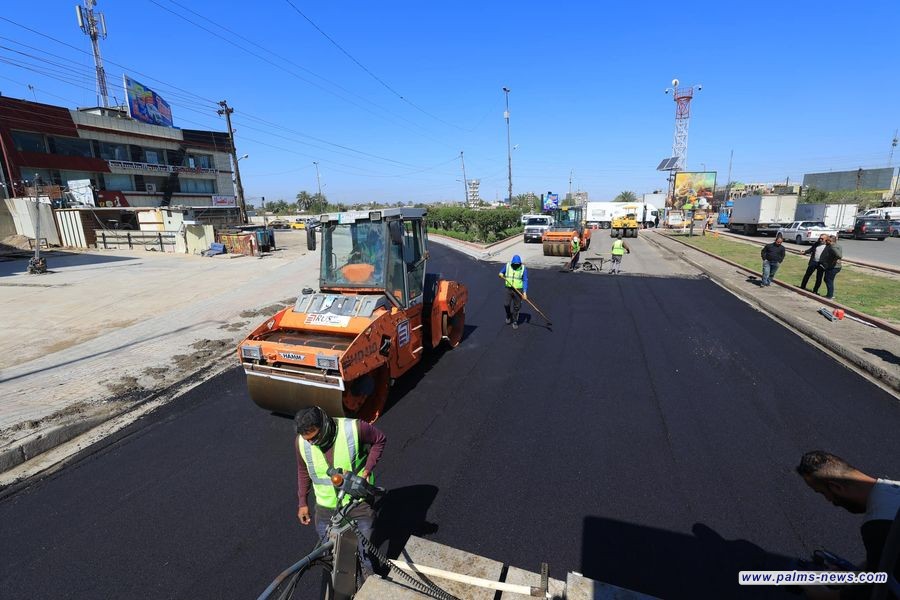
x,y
508,145
318,181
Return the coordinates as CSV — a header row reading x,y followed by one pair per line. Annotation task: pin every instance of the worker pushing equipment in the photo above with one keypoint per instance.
x,y
515,275
619,248
576,252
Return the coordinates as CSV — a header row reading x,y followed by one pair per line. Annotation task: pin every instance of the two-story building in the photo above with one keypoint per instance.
x,y
128,162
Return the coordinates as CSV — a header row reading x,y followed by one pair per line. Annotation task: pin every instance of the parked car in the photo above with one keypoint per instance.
x,y
299,223
895,228
803,232
870,228
536,226
279,224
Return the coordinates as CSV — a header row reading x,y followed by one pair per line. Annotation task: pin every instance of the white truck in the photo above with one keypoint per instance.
x,y
891,213
835,216
753,215
599,215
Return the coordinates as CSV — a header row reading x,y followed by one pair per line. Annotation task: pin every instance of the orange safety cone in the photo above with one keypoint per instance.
x,y
839,313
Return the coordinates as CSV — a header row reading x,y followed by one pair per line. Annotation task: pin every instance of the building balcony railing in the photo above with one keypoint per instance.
x,y
157,168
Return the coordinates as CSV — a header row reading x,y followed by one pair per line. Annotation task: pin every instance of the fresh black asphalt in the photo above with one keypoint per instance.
x,y
647,439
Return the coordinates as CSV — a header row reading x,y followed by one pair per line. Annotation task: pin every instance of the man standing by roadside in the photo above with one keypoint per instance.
x,y
772,257
515,276
815,255
619,248
858,493
347,444
830,263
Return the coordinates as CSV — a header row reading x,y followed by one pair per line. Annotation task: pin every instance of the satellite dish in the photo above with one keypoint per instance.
x,y
675,83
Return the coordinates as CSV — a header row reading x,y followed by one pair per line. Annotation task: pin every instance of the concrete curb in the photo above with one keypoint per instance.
x,y
870,367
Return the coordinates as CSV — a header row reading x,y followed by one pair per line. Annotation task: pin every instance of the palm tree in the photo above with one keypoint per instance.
x,y
626,197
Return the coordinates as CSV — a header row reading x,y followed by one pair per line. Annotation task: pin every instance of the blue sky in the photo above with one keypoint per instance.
x,y
791,87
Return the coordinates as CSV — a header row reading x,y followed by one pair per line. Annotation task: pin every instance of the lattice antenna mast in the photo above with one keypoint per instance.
x,y
94,26
682,96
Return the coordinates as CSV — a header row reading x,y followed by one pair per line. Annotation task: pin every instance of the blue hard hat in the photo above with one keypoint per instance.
x,y
516,259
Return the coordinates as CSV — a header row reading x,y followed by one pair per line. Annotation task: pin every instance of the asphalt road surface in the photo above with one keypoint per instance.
x,y
886,252
647,439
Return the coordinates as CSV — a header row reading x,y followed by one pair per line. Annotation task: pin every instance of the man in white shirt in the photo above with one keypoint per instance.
x,y
851,489
815,253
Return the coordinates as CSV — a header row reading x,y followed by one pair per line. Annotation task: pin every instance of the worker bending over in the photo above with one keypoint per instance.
x,y
347,444
576,252
515,276
619,248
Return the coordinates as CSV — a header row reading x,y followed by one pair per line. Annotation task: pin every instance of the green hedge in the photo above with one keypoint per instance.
x,y
475,225
472,237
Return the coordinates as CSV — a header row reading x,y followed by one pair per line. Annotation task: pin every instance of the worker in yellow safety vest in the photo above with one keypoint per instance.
x,y
515,276
619,248
576,252
348,444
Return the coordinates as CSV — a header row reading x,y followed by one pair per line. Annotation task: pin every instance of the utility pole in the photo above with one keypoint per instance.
x,y
508,146
318,181
728,185
226,110
571,172
37,265
94,26
465,181
893,145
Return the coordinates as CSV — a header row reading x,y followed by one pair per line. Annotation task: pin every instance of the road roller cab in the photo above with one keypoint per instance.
x,y
376,312
567,222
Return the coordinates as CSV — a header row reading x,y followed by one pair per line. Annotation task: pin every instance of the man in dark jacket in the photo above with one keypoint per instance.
x,y
772,256
830,263
815,254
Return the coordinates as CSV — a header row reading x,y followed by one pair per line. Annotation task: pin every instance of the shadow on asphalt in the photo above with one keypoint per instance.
x,y
408,382
59,260
674,565
885,355
402,513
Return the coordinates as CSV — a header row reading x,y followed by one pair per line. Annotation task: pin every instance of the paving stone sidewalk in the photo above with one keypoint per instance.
x,y
108,330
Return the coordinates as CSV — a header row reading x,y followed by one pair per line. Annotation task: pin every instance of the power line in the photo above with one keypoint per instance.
x,y
370,73
289,72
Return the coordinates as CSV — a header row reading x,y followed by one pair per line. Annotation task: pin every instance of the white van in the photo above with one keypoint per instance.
x,y
535,227
526,217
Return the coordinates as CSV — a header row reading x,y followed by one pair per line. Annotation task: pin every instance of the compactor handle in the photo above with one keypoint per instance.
x,y
353,485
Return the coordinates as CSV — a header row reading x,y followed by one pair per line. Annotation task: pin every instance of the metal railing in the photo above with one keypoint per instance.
x,y
164,241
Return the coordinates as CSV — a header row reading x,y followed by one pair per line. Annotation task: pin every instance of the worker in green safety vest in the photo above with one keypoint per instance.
x,y
348,444
619,248
576,252
515,276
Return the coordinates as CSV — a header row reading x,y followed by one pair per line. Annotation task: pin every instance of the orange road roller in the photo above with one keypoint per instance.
x,y
376,312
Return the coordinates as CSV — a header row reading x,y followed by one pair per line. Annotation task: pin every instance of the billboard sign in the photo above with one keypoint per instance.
x,y
551,201
145,105
82,191
694,188
223,201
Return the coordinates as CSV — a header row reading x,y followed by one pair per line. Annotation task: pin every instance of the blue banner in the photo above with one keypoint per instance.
x,y
551,201
145,105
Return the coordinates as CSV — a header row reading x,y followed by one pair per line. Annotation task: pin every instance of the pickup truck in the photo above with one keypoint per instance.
x,y
535,227
806,232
